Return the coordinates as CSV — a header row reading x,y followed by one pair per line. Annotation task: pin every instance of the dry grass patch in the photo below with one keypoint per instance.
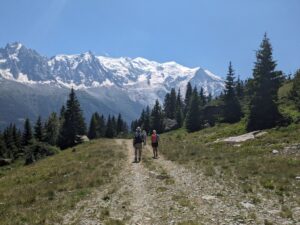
x,y
41,193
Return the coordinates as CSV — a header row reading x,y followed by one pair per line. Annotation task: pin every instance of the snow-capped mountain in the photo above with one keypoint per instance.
x,y
142,80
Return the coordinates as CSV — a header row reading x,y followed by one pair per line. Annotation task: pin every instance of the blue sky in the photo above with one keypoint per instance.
x,y
194,33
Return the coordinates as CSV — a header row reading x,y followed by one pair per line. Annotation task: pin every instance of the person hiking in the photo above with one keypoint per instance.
x,y
154,143
145,137
138,144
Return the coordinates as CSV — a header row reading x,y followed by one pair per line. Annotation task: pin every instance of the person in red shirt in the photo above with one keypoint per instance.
x,y
154,143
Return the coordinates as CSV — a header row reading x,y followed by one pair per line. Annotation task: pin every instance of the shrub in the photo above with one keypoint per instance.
x,y
37,151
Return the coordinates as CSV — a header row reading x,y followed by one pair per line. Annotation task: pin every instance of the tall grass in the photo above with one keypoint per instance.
x,y
41,193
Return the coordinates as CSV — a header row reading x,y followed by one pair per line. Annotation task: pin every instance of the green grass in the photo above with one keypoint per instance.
x,y
252,165
41,193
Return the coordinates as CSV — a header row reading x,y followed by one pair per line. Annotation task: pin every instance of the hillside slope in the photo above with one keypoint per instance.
x,y
43,192
195,181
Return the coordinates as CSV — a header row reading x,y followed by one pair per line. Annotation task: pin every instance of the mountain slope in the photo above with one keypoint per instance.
x,y
113,82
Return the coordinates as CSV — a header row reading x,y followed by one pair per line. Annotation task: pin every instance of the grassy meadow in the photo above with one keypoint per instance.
x,y
43,192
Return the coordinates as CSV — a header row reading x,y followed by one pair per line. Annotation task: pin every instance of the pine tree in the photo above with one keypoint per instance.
x,y
120,125
157,118
62,113
134,125
263,108
101,126
146,124
52,129
202,97
295,92
110,132
9,142
92,133
188,95
17,136
167,105
172,104
3,149
232,108
73,124
142,118
27,136
209,98
193,122
179,110
114,124
239,89
38,130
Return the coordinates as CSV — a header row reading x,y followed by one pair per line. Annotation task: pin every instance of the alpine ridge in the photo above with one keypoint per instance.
x,y
137,81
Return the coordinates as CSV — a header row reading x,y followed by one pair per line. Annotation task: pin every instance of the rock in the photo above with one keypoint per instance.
x,y
5,162
275,151
260,133
297,178
247,205
209,197
82,138
242,138
169,124
292,149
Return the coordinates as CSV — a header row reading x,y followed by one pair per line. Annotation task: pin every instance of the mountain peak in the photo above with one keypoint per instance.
x,y
14,45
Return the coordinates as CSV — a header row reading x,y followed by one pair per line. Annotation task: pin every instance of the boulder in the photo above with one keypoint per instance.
x,y
82,138
243,137
5,162
275,151
170,124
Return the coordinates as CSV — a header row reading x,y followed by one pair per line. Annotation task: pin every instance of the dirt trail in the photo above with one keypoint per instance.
x,y
159,192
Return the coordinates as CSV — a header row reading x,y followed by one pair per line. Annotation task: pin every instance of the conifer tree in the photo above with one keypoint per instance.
x,y
239,88
188,95
62,114
263,107
120,124
9,142
27,136
146,124
295,92
179,110
209,98
232,108
92,133
114,124
172,104
134,125
157,118
142,118
110,132
3,149
73,124
101,129
202,97
38,130
193,122
17,136
52,129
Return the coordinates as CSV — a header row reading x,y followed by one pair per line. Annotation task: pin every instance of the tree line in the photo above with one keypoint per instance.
x,y
254,99
62,130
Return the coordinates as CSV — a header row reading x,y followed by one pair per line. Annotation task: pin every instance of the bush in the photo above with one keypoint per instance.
x,y
37,151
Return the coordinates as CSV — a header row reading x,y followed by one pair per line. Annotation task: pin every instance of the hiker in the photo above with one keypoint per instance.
x,y
145,137
154,143
138,144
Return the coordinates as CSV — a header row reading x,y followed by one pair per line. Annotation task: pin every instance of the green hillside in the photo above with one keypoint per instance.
x,y
43,192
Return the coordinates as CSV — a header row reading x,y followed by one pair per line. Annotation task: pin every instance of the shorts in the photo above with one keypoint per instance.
x,y
138,146
155,145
